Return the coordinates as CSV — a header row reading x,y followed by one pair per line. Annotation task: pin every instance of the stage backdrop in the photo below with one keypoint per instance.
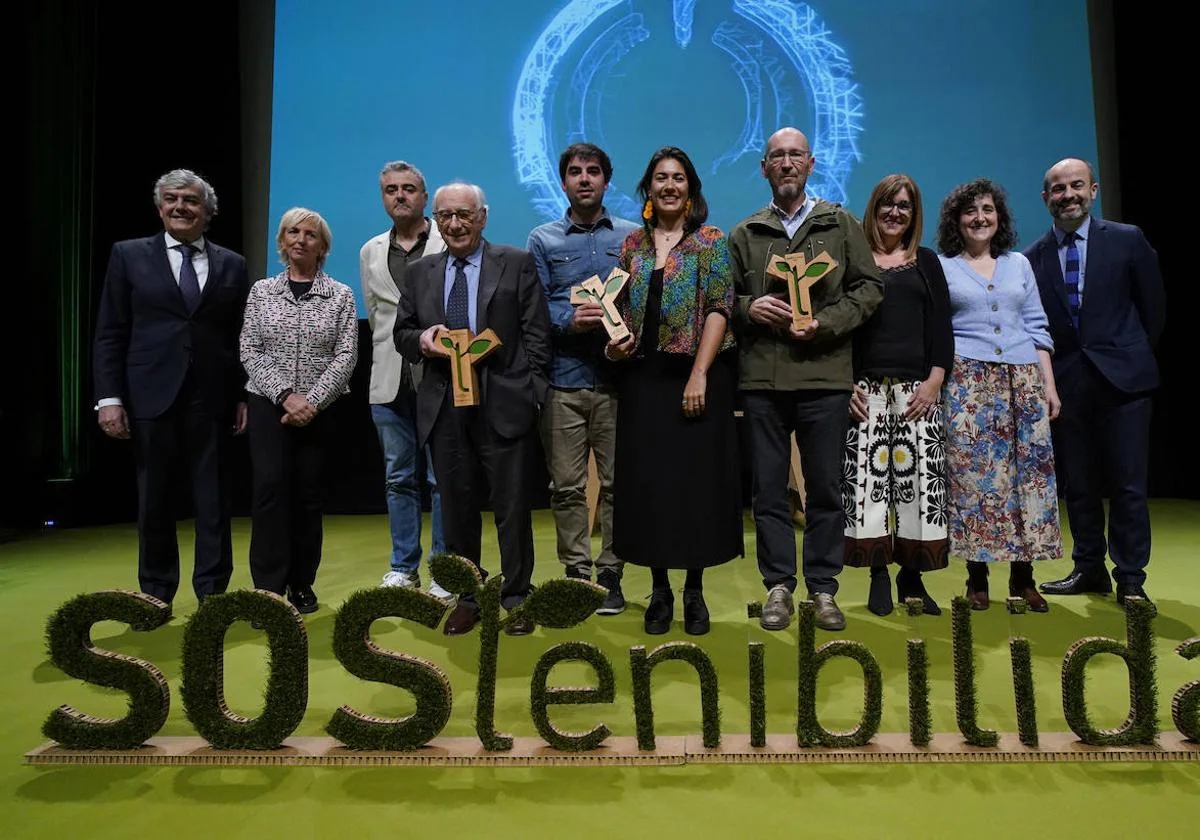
x,y
491,92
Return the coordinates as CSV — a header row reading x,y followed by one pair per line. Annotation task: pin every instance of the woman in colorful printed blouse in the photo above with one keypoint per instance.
x,y
894,473
676,493
299,346
999,398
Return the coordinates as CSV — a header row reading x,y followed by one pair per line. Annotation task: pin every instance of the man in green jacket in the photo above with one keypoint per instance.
x,y
799,380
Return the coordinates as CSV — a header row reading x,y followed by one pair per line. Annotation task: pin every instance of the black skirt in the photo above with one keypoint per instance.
x,y
676,482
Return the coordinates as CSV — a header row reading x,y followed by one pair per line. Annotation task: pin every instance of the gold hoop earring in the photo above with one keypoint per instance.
x,y
687,208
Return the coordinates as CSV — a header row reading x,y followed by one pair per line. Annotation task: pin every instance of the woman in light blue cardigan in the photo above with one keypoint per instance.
x,y
999,398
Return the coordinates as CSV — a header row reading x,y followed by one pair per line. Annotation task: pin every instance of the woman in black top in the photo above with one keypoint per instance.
x,y
894,469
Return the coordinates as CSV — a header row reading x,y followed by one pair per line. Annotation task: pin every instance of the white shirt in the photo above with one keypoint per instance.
x,y
199,258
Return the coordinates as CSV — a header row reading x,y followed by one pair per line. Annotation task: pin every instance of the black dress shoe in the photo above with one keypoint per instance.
x,y
1079,583
695,613
303,599
660,612
1131,590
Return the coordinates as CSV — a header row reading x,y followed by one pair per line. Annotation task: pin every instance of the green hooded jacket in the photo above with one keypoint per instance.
x,y
770,359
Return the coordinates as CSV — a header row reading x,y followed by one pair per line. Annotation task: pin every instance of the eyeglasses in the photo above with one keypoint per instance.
x,y
898,206
777,157
443,217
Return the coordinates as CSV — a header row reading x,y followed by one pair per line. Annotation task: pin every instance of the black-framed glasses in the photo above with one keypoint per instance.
x,y
443,217
898,206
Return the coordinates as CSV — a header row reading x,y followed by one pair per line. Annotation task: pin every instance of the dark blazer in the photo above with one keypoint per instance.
x,y
146,340
1124,306
513,380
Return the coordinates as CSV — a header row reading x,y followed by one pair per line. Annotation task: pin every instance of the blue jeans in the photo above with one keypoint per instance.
x,y
396,423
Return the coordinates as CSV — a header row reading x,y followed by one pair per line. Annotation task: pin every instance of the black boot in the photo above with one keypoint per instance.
x,y
660,611
910,585
695,612
879,600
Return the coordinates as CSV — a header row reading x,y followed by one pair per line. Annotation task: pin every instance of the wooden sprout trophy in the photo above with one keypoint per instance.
x,y
800,276
592,290
466,351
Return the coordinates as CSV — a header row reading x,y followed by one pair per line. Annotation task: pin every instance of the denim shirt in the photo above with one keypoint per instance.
x,y
566,254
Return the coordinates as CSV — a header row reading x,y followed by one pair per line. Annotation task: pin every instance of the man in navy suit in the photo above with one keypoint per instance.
x,y
167,375
1103,294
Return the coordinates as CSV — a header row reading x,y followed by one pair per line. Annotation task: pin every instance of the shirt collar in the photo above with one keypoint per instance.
x,y
172,242
809,202
473,259
423,236
1081,233
569,224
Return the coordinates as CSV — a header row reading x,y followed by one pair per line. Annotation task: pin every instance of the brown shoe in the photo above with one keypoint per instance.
x,y
461,620
519,625
1032,597
979,599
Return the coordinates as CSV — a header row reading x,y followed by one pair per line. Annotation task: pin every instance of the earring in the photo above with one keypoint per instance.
x,y
687,208
648,210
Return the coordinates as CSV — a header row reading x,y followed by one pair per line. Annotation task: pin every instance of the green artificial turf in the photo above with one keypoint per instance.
x,y
696,801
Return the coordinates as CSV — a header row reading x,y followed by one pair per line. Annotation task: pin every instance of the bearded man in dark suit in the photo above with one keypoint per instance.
x,y
167,376
1103,294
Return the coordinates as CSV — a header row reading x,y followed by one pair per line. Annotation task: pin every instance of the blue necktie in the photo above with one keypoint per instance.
x,y
189,283
1071,277
457,310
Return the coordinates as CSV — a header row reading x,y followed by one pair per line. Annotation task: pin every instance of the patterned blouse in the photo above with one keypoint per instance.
x,y
308,345
696,282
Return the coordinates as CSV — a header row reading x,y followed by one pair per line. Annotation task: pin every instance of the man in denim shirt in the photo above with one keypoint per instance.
x,y
580,414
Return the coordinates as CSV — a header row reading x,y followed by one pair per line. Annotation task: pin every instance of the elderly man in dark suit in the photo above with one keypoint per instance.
x,y
478,285
1103,294
167,375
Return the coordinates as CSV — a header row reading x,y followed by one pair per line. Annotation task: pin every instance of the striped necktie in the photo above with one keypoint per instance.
x,y
1071,277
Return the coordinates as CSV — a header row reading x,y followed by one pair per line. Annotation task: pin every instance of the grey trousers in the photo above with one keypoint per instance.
x,y
575,423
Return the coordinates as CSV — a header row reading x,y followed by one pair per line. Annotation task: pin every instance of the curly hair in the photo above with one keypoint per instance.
x,y
949,238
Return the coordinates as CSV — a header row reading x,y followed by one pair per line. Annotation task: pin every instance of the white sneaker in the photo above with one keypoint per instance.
x,y
440,593
402,580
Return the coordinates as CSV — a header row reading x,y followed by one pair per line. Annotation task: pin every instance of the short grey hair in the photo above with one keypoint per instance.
x,y
402,166
480,198
180,178
294,217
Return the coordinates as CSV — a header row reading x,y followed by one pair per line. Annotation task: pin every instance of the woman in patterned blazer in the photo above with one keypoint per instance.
x,y
299,345
676,482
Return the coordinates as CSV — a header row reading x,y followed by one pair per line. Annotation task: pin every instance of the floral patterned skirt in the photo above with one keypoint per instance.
x,y
894,482
1003,500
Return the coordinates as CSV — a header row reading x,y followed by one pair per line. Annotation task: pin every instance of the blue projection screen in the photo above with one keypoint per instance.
x,y
487,92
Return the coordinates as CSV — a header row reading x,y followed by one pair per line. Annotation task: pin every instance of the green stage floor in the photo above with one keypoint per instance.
x,y
1149,801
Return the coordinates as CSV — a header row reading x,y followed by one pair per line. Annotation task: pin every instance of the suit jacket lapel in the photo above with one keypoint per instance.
x,y
437,286
1097,260
491,268
1052,270
216,265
